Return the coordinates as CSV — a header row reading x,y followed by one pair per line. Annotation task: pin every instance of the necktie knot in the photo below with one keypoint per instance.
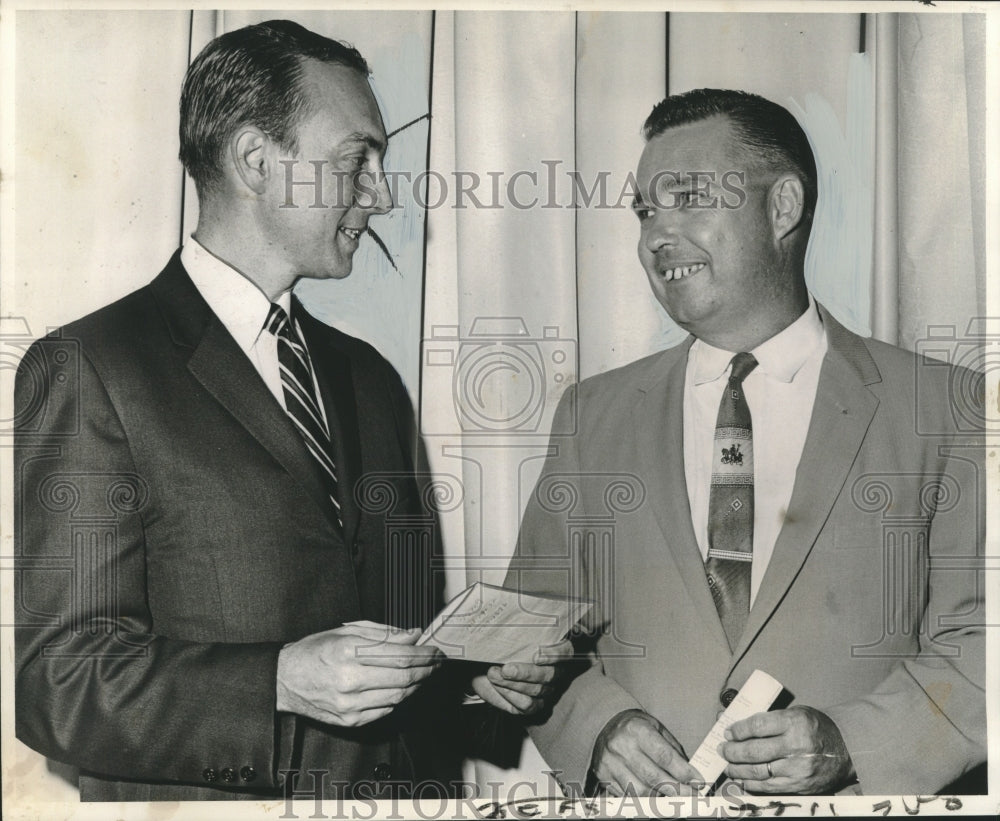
x,y
742,364
277,320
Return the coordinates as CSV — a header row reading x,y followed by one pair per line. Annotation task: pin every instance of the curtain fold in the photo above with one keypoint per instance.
x,y
941,198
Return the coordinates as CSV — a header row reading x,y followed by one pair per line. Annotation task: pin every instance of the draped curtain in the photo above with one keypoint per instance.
x,y
513,256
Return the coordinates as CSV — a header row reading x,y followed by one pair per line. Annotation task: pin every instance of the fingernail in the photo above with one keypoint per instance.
x,y
729,735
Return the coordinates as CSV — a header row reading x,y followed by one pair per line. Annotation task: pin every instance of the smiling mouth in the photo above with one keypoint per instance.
x,y
353,233
682,271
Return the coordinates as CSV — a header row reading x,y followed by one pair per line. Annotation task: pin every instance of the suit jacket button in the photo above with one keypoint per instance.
x,y
248,773
382,771
727,696
209,774
228,775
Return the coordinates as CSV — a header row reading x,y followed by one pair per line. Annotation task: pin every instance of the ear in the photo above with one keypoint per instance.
x,y
787,205
248,152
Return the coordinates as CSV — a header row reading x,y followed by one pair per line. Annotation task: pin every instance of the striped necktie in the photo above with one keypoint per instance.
x,y
730,504
301,403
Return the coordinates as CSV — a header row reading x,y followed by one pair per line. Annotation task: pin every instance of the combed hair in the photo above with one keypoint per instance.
x,y
772,136
251,76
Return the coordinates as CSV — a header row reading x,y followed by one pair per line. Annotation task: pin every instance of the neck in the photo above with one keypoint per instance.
x,y
236,243
749,332
753,334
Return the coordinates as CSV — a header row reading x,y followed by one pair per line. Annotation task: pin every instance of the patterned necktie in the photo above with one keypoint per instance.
x,y
300,397
730,504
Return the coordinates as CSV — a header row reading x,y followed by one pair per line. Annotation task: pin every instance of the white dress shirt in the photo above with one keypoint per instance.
x,y
243,308
780,393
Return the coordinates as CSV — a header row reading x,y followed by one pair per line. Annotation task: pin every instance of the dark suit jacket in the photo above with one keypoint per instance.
x,y
871,607
173,533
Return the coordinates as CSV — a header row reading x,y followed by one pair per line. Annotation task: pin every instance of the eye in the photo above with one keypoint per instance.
x,y
686,197
693,196
642,211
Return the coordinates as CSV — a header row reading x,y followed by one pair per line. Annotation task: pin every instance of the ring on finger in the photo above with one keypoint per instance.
x,y
770,773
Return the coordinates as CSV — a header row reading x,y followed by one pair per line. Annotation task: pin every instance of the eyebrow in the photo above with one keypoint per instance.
x,y
684,179
367,139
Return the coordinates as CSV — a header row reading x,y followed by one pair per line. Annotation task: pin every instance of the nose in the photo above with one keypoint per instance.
x,y
659,230
378,197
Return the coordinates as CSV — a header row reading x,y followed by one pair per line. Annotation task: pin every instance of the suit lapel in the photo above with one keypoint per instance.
x,y
658,420
842,413
225,372
339,394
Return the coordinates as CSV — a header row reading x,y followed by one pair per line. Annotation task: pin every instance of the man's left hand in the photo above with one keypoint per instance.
x,y
798,751
525,688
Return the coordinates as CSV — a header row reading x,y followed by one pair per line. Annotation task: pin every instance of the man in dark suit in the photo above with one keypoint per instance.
x,y
218,516
800,500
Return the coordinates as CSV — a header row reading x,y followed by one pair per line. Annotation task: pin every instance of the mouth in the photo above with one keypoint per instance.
x,y
352,233
681,271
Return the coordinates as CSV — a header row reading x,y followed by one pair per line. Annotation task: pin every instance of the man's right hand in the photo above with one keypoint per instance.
x,y
352,675
635,749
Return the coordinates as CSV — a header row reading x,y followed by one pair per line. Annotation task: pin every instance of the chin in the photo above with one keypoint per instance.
x,y
337,272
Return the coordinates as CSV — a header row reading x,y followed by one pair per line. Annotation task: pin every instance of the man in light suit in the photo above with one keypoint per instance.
x,y
799,500
217,510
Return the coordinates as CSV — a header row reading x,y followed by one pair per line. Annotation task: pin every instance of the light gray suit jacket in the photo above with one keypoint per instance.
x,y
872,606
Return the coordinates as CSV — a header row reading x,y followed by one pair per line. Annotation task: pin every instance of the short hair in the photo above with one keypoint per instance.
x,y
770,132
251,76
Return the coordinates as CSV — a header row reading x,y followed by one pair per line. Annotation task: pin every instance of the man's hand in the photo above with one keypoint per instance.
x,y
352,675
635,749
522,688
788,752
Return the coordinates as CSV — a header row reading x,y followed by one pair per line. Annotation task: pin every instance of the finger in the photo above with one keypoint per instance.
x,y
508,700
622,777
380,698
379,633
668,759
367,629
372,677
522,687
754,751
387,654
750,772
640,747
774,786
359,718
674,788
399,636
759,725
554,653
648,775
649,739
523,704
521,671
491,696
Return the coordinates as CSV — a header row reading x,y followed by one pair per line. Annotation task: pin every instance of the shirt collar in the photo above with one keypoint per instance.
x,y
781,356
239,304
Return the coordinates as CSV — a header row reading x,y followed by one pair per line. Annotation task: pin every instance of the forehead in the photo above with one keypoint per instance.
x,y
705,145
340,100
